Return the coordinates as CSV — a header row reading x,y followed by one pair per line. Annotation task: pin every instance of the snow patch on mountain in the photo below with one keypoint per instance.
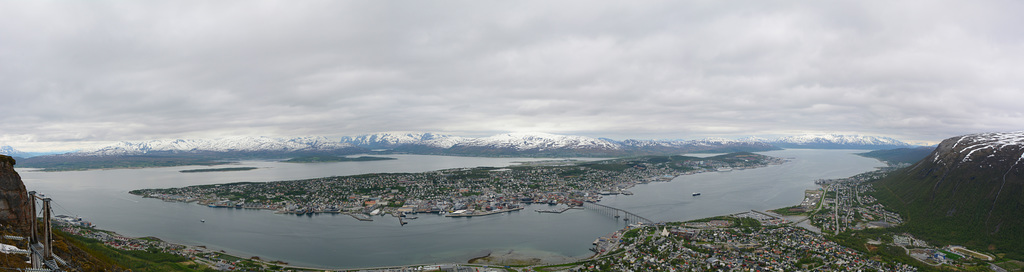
x,y
994,142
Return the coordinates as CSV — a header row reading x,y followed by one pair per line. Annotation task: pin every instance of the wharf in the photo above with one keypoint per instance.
x,y
361,217
481,213
561,210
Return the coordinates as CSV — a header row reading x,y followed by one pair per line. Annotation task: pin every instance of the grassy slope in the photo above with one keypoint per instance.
x,y
133,260
957,207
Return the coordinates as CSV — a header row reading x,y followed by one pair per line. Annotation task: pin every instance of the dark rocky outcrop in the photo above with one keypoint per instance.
x,y
14,203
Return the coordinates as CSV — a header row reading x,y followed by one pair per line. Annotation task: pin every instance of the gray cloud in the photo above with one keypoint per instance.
x,y
112,70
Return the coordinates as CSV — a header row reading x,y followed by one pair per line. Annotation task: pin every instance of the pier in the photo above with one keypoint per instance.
x,y
561,210
617,213
481,213
361,217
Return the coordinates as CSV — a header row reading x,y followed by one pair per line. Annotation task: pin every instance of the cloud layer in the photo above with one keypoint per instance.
x,y
97,71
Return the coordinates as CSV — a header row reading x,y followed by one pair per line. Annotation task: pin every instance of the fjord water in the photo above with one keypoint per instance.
x,y
339,241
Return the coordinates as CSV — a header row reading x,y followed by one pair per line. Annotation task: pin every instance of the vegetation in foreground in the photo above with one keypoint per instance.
x,y
135,260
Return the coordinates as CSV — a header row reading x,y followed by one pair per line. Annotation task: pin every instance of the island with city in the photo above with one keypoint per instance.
x,y
459,192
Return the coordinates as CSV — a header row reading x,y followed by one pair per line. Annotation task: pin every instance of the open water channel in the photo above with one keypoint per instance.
x,y
339,241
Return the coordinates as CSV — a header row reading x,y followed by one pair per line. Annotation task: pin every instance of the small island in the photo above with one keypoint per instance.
x,y
319,159
229,169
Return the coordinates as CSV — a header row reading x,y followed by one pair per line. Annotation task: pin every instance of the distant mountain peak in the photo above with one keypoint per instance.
x,y
11,151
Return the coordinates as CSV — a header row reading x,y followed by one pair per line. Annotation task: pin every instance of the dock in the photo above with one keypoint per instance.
x,y
361,217
479,213
561,210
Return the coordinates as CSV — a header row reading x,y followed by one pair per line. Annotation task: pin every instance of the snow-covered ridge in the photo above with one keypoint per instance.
x,y
536,140
988,143
230,144
392,139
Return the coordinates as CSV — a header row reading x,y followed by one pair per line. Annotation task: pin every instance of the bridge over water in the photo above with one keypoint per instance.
x,y
617,213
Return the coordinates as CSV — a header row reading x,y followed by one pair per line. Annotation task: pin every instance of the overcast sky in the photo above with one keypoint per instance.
x,y
79,73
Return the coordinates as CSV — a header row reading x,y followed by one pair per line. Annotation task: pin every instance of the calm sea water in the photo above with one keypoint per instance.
x,y
339,241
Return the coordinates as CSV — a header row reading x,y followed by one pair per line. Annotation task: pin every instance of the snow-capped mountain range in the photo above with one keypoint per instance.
x,y
525,142
221,145
536,142
528,144
515,141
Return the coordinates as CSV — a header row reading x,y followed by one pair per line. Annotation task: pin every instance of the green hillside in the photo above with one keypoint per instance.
x,y
963,193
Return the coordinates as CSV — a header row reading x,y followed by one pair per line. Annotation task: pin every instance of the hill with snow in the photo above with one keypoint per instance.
x,y
968,191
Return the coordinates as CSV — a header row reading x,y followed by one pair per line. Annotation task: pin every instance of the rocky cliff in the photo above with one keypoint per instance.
x,y
14,203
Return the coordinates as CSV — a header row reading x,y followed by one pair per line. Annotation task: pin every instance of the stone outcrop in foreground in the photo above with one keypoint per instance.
x,y
14,203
